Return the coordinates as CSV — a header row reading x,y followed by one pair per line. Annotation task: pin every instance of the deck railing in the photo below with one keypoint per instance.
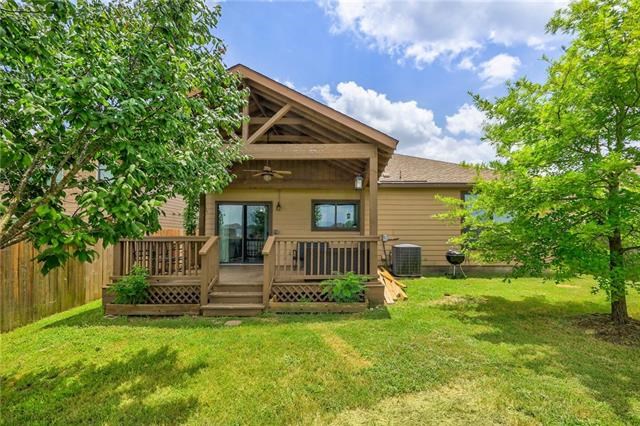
x,y
210,261
317,258
182,269
162,256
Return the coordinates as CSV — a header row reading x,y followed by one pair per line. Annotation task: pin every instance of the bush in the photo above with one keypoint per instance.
x,y
133,288
344,289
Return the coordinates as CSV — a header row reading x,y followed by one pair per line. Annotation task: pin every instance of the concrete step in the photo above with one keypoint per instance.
x,y
232,309
235,297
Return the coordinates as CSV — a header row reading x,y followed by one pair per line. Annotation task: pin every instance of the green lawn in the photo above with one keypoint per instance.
x,y
490,352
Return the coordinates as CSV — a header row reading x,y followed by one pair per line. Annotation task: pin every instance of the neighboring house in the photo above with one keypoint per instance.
x,y
319,190
171,222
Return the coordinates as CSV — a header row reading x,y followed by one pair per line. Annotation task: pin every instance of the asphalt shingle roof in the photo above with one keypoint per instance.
x,y
407,169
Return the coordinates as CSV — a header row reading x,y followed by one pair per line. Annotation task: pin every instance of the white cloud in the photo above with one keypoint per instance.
x,y
466,64
412,125
468,119
453,150
287,83
498,69
423,31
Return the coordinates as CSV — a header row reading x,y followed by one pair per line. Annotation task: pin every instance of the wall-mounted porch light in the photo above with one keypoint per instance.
x,y
359,182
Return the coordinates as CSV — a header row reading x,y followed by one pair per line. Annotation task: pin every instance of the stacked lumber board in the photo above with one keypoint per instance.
x,y
393,289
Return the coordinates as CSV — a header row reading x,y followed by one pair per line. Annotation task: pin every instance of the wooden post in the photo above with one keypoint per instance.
x,y
202,214
373,195
204,279
361,214
269,264
373,258
266,279
373,212
210,219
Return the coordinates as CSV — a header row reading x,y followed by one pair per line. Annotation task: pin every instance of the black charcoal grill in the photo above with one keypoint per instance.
x,y
455,259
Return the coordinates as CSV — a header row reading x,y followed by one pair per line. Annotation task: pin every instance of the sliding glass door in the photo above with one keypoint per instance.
x,y
243,229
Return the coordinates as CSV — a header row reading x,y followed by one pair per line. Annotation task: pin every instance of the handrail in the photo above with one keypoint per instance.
x,y
207,246
169,238
354,238
210,261
268,245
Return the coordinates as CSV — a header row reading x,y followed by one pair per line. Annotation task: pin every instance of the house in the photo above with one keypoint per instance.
x,y
318,191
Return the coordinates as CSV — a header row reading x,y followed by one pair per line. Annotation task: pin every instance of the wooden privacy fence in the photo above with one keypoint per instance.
x,y
26,295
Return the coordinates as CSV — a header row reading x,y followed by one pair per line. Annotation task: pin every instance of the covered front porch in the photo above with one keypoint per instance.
x,y
303,207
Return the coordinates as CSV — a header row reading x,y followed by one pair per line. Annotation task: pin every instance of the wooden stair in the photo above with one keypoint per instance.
x,y
232,309
234,298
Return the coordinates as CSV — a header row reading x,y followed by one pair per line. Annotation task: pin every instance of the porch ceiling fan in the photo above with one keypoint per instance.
x,y
267,173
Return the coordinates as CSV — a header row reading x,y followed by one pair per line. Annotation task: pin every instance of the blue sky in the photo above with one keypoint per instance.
x,y
404,67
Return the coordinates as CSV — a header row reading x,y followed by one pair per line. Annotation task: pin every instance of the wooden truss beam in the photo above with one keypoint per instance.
x,y
296,139
269,123
285,121
338,151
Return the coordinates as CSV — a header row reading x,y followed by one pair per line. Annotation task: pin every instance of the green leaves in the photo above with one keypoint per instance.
x,y
569,157
133,288
89,83
345,289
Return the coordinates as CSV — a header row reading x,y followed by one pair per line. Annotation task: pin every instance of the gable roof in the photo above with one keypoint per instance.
x,y
315,106
408,171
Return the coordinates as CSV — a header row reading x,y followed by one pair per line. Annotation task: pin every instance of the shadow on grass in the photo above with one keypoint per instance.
x,y
95,317
548,342
120,391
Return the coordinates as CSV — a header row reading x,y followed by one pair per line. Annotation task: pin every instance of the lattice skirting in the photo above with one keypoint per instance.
x,y
173,294
301,293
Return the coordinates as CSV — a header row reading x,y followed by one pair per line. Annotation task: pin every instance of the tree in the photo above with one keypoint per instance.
x,y
135,89
190,215
568,156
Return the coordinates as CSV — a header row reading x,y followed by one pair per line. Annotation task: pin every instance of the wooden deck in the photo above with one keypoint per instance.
x,y
186,276
246,274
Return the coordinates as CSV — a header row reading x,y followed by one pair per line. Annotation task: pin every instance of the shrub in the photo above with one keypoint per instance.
x,y
344,289
133,288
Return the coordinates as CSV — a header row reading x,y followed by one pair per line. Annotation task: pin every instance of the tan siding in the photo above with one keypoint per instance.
x,y
294,217
408,214
173,213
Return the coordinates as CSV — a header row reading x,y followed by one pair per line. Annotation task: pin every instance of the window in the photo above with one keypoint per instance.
x,y
469,197
104,173
335,215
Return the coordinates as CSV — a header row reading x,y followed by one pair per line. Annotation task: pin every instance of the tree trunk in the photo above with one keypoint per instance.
x,y
619,314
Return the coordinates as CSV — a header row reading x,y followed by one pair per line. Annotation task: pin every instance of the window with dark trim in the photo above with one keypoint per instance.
x,y
469,197
332,215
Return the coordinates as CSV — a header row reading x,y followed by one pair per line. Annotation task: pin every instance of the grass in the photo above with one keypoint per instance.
x,y
490,352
